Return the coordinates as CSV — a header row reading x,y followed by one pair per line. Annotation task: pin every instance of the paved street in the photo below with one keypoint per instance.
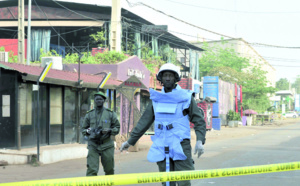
x,y
230,147
279,145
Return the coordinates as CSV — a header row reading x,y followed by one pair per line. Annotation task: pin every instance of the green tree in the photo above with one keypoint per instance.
x,y
283,84
226,74
99,38
256,90
296,84
11,57
218,56
230,67
255,84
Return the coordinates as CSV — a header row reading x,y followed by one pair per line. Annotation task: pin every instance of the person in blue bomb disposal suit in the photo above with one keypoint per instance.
x,y
171,110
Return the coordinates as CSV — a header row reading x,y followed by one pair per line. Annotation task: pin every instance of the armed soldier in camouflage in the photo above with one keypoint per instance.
x,y
99,124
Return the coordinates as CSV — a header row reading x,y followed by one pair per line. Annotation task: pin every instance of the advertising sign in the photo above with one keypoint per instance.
x,y
211,89
297,102
132,82
155,28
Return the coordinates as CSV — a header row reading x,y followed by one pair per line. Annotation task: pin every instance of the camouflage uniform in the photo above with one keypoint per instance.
x,y
103,146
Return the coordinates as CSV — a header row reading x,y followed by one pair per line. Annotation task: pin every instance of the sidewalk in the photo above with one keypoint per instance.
x,y
48,154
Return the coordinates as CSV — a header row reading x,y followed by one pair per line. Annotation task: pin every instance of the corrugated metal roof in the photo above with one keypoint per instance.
x,y
5,67
60,77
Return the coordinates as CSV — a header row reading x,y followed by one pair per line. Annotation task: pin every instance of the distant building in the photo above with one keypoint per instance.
x,y
285,97
243,49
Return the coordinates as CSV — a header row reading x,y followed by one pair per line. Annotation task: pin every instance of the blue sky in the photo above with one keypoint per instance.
x,y
273,22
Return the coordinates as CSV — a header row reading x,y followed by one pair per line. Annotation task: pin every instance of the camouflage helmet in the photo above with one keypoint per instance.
x,y
101,94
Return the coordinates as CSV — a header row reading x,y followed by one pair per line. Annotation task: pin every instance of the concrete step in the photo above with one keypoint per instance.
x,y
48,154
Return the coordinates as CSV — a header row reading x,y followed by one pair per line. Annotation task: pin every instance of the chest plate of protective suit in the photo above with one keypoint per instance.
x,y
171,126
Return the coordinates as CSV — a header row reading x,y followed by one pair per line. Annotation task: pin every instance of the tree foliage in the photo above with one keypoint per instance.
x,y
11,57
230,67
218,56
283,84
296,84
256,90
98,38
226,74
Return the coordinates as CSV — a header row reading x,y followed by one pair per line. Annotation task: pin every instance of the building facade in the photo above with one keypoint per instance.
x,y
244,49
123,71
62,105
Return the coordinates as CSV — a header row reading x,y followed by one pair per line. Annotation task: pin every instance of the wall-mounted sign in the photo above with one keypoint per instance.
x,y
210,79
132,84
155,28
137,73
133,81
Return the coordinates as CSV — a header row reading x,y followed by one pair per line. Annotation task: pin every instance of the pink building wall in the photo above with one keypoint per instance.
x,y
12,45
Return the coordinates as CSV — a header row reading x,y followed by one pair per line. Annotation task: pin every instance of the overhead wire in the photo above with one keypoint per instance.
x,y
184,21
256,44
8,29
167,41
67,32
143,4
52,26
59,35
285,66
137,29
244,54
139,3
76,12
131,20
268,45
54,35
272,58
233,11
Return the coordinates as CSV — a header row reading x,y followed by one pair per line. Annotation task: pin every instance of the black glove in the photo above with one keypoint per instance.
x,y
106,131
95,133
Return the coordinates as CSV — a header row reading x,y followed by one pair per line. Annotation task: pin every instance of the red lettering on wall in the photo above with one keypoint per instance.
x,y
132,84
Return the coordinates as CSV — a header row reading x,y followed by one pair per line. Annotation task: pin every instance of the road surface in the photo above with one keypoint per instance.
x,y
227,148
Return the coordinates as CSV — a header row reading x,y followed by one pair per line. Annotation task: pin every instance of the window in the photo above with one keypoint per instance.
x,y
55,105
26,115
70,116
25,98
56,115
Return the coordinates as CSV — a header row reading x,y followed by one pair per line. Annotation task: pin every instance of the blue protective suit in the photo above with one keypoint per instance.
x,y
171,126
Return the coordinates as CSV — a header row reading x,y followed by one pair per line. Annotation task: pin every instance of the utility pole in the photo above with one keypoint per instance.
x,y
115,32
21,44
29,33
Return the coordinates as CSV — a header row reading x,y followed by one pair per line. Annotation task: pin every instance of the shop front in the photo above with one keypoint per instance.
x,y
63,103
123,71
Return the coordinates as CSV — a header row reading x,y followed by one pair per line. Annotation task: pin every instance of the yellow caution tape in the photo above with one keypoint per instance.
x,y
139,178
